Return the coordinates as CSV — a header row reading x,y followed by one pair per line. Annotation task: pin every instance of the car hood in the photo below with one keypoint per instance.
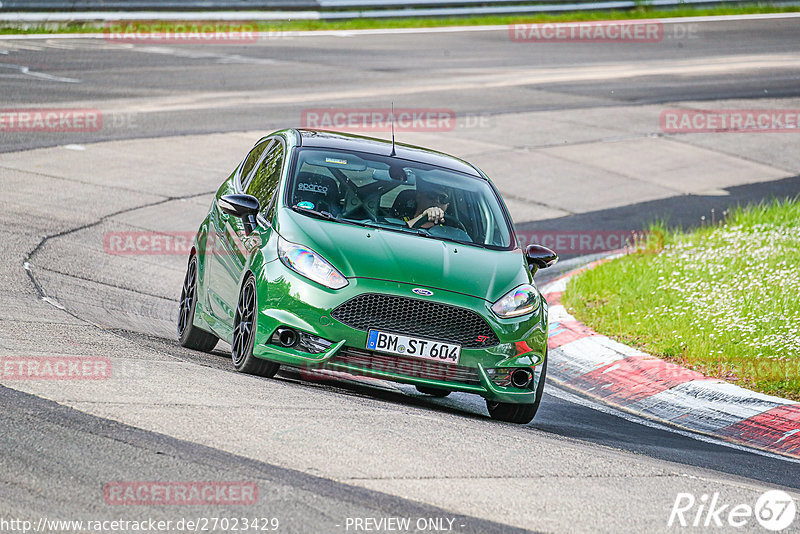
x,y
388,255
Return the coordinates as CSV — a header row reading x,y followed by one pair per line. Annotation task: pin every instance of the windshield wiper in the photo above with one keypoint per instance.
x,y
422,232
366,224
321,214
331,217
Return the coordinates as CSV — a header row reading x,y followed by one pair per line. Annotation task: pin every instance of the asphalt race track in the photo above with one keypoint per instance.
x,y
569,132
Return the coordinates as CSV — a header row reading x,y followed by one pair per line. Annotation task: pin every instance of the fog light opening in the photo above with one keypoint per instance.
x,y
521,378
286,337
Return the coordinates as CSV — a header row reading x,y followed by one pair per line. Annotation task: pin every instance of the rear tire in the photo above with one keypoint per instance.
x,y
244,334
519,413
433,392
189,335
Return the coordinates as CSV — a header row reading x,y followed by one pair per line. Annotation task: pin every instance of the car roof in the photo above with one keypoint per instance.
x,y
371,145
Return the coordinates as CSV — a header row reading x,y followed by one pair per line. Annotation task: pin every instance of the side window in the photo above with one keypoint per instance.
x,y
267,176
252,158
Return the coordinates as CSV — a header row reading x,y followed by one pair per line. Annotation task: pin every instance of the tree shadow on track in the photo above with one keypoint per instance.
x,y
220,359
683,211
564,418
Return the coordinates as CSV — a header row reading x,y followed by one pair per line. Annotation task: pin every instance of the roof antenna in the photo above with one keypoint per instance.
x,y
393,152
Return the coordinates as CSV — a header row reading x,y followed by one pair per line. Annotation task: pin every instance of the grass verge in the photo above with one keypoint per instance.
x,y
723,299
641,12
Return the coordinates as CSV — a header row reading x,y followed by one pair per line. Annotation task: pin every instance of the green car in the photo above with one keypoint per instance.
x,y
338,252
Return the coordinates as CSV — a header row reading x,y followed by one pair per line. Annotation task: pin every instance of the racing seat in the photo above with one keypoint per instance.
x,y
321,191
405,204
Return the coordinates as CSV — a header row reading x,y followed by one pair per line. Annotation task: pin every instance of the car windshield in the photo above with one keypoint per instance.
x,y
400,195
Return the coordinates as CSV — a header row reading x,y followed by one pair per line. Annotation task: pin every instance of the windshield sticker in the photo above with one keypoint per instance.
x,y
312,188
306,205
337,161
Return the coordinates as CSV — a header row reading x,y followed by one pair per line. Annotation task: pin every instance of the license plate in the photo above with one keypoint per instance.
x,y
417,347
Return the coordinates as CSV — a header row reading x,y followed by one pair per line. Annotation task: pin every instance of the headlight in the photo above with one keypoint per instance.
x,y
519,301
305,261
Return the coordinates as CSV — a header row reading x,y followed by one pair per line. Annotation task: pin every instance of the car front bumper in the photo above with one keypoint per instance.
x,y
286,299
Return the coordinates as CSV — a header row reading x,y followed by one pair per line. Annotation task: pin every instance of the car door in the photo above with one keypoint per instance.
x,y
220,264
261,183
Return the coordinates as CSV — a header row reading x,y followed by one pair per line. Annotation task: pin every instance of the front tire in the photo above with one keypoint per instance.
x,y
189,335
519,413
244,334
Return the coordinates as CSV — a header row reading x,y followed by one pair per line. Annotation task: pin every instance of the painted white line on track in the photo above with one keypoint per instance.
x,y
53,302
555,389
388,31
26,71
480,81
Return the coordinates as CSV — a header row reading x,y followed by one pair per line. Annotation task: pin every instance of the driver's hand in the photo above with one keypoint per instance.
x,y
435,214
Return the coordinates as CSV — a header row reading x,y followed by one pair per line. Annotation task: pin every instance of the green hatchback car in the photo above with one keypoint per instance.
x,y
330,251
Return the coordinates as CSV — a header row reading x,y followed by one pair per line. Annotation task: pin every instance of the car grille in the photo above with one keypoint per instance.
x,y
423,318
431,370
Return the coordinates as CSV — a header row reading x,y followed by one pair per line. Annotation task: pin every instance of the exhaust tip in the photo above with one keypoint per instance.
x,y
287,337
521,378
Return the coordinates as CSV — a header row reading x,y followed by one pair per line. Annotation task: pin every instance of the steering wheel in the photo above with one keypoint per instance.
x,y
357,205
449,220
455,223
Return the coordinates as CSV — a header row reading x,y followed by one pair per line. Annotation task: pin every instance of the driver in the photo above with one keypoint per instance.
x,y
437,200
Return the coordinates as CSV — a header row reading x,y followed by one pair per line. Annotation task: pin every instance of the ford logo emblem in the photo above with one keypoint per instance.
x,y
422,292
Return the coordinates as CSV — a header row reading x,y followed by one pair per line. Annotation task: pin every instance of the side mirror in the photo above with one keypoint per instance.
x,y
246,207
540,257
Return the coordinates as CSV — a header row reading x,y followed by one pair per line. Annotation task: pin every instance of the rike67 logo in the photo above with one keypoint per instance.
x,y
774,510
